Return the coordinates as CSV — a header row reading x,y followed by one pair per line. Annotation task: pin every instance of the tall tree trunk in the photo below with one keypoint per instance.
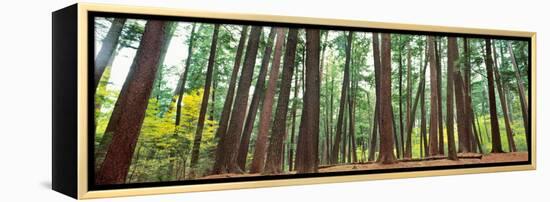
x,y
308,139
504,106
341,112
259,156
226,111
108,47
400,149
522,95
470,125
183,79
376,122
274,160
255,103
114,168
441,149
452,57
386,126
204,104
294,109
412,113
495,130
433,99
226,152
463,130
423,130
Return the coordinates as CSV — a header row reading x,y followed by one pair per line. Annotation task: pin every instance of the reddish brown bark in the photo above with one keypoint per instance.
x,y
452,57
308,139
375,129
254,104
226,111
132,106
274,155
386,126
258,160
226,152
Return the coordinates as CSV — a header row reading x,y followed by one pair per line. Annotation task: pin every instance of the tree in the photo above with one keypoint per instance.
x,y
226,152
258,160
495,131
376,122
343,95
183,79
254,104
433,99
204,103
107,49
274,153
308,139
504,107
441,144
226,111
452,58
114,168
521,89
386,126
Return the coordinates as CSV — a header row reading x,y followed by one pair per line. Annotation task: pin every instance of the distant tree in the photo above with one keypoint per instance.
x,y
108,47
204,103
343,95
433,99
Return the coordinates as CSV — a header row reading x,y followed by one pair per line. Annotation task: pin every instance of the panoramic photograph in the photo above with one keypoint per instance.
x,y
191,101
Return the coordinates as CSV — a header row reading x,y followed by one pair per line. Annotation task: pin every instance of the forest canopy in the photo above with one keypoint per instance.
x,y
187,100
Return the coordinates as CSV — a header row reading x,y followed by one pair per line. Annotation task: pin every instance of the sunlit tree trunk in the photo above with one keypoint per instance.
x,y
108,47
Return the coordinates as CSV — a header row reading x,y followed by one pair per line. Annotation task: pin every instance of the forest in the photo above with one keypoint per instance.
x,y
181,101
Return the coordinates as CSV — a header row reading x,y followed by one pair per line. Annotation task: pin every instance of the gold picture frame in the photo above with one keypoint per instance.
x,y
79,187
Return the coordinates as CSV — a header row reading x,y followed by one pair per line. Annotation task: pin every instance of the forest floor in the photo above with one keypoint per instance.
x,y
464,159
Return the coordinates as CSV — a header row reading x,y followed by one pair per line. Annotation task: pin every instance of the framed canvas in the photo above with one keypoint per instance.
x,y
158,100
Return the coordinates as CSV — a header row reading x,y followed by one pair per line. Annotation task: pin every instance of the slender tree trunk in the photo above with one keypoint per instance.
x,y
504,106
267,106
204,104
441,144
114,168
226,152
452,57
522,95
376,122
341,112
108,47
294,109
273,161
433,99
470,126
400,149
226,111
386,126
183,78
495,130
309,129
412,113
255,103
